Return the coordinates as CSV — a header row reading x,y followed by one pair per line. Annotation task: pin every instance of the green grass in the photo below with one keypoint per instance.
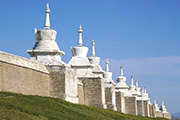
x,y
28,107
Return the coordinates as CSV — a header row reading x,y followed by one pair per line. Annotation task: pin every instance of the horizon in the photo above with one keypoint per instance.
x,y
141,35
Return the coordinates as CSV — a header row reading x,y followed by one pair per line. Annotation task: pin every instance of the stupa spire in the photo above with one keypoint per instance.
x,y
47,19
136,82
121,73
93,49
132,80
132,87
144,89
80,36
107,65
162,102
154,100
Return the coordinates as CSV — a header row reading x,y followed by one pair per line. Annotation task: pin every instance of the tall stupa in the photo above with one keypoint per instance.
x,y
46,50
95,61
79,58
121,83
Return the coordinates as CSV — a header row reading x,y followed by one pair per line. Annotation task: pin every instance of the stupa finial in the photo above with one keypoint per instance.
x,y
121,72
107,66
47,8
93,42
154,100
80,36
93,49
47,19
121,66
107,62
80,30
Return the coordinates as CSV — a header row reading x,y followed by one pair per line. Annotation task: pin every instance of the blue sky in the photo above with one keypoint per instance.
x,y
143,35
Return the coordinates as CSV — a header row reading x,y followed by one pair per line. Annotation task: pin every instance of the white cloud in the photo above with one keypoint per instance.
x,y
146,66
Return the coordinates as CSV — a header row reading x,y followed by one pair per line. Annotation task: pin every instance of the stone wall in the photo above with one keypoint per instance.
x,y
57,81
151,111
108,97
21,75
159,114
140,107
63,83
131,105
120,102
167,115
146,108
92,92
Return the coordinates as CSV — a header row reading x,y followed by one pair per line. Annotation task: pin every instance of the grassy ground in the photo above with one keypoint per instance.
x,y
27,107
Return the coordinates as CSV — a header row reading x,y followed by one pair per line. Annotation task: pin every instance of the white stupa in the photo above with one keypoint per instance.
x,y
95,61
132,88
79,58
121,83
156,106
137,89
108,75
46,50
163,108
144,94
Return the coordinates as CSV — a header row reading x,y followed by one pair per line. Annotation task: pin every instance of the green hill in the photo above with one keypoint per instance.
x,y
23,107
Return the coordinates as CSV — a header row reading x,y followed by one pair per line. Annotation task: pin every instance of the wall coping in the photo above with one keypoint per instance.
x,y
23,62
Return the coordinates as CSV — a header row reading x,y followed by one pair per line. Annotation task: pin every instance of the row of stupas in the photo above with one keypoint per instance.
x,y
47,52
